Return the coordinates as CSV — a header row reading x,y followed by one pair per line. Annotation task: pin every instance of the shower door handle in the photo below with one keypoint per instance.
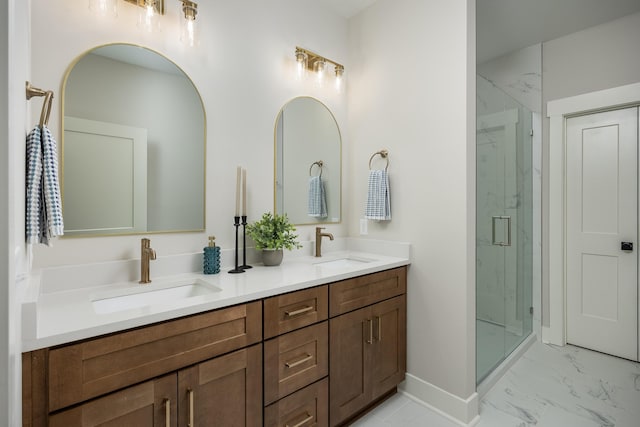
x,y
493,230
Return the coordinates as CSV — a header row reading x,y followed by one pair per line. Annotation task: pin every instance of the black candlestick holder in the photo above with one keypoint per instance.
x,y
236,223
244,265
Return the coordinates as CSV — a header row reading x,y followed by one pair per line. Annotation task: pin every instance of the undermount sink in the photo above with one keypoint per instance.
x,y
343,262
148,295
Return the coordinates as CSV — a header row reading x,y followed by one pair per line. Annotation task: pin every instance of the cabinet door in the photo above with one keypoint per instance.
x,y
388,362
225,391
147,404
350,338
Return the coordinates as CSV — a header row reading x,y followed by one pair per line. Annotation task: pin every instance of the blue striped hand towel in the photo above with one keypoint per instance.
x,y
34,185
378,197
43,204
317,206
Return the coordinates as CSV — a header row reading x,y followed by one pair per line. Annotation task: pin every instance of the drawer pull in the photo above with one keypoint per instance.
x,y
167,412
191,393
308,418
299,311
378,328
298,362
369,339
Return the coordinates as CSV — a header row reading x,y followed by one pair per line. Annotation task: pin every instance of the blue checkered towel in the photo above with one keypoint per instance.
x,y
43,204
317,206
378,197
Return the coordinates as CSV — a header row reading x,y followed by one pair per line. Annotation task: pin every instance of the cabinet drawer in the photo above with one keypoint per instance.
x,y
88,369
359,292
306,407
285,313
294,360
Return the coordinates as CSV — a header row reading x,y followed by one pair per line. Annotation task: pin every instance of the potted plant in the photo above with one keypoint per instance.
x,y
272,233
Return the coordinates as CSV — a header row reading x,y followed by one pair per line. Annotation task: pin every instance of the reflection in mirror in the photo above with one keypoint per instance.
x,y
133,146
308,149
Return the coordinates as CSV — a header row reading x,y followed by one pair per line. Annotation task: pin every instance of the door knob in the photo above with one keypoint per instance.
x,y
626,246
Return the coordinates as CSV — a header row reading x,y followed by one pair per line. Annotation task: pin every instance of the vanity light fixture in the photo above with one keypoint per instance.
x,y
310,61
188,24
104,7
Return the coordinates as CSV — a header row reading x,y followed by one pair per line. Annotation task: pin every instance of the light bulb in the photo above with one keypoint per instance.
x,y
104,7
339,78
321,66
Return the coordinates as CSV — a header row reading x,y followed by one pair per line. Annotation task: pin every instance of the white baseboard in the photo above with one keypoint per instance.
x,y
461,411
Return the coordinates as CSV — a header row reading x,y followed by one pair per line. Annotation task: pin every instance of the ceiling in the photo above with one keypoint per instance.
x,y
503,26
347,8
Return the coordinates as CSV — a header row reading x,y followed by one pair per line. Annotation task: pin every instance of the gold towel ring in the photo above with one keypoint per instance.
x,y
320,163
384,154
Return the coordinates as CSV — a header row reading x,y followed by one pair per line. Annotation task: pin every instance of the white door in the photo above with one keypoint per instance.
x,y
105,177
602,213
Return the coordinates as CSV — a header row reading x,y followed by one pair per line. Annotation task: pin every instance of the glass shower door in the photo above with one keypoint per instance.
x,y
503,227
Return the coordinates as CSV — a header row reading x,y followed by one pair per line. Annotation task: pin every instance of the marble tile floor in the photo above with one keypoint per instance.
x,y
548,386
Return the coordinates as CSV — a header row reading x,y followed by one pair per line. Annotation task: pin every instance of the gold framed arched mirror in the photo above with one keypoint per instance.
x,y
308,154
133,145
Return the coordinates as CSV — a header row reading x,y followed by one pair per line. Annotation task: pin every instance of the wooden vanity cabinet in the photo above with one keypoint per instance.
x,y
328,354
368,345
198,354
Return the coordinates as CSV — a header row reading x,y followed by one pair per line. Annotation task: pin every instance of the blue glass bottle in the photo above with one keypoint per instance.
x,y
211,261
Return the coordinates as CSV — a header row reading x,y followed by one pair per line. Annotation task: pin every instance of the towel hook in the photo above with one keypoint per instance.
x,y
382,153
320,163
46,105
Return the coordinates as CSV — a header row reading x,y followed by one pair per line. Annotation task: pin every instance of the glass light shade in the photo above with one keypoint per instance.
x,y
188,24
107,8
301,64
189,32
149,15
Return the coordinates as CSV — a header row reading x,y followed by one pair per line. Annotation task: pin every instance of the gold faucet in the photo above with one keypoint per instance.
x,y
319,236
147,254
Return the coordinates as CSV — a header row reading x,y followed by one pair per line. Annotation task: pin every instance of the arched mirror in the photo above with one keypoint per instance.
x,y
308,166
133,146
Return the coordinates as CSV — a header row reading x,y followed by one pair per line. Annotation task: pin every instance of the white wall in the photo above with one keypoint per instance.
x,y
412,91
600,57
244,71
14,48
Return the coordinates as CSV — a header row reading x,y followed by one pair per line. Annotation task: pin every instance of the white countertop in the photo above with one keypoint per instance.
x,y
54,315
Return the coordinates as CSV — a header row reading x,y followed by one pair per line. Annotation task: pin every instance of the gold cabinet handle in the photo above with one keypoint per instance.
x,y
369,339
308,418
378,321
167,412
298,362
191,394
299,311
